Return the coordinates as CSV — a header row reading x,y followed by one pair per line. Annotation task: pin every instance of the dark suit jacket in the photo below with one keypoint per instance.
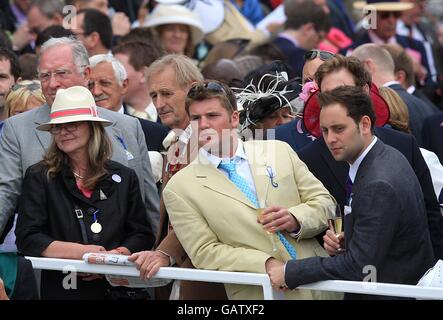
x,y
294,56
418,111
333,175
386,229
433,134
293,133
154,133
422,96
405,42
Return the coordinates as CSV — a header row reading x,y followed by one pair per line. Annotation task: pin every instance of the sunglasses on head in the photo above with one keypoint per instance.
x,y
31,87
387,14
322,55
199,88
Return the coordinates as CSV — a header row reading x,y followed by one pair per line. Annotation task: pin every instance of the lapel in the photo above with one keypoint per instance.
x,y
365,164
42,116
258,163
113,131
338,169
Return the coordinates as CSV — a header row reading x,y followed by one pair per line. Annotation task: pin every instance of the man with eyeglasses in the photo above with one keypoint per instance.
x,y
243,206
64,63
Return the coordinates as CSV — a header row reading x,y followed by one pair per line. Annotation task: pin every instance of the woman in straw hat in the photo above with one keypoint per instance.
x,y
77,201
179,28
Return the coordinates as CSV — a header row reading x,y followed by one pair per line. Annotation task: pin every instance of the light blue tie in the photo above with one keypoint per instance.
x,y
241,183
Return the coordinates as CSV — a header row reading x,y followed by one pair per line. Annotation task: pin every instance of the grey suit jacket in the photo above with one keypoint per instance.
x,y
22,145
386,231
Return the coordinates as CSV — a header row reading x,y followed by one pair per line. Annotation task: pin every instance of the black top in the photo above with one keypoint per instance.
x,y
47,214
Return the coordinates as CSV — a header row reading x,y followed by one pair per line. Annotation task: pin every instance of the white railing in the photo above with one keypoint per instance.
x,y
258,279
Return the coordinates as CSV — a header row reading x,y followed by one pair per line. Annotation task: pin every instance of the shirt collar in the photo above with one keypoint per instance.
x,y
390,83
121,110
239,154
377,40
411,89
353,168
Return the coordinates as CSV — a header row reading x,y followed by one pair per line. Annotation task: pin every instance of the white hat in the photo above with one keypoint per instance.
x,y
381,5
171,14
211,12
72,105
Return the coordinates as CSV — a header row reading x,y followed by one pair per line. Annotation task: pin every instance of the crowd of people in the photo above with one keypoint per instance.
x,y
220,135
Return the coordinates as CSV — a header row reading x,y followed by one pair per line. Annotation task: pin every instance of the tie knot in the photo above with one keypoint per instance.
x,y
228,166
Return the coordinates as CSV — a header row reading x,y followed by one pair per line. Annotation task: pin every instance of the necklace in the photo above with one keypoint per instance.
x,y
77,175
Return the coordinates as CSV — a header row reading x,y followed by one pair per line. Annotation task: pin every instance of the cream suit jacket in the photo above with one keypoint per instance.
x,y
217,224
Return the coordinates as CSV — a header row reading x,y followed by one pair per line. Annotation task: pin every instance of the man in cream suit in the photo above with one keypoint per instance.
x,y
213,214
64,63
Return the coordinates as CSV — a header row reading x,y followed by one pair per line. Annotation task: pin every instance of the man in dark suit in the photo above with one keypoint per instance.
x,y
306,25
433,134
386,237
380,65
349,71
385,30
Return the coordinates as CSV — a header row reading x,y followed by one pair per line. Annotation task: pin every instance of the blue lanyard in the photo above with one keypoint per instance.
x,y
94,215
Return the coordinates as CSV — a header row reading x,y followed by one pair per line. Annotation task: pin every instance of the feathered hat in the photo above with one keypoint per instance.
x,y
266,90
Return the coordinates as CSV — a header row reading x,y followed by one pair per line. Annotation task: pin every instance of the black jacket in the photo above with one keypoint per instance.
x,y
386,233
47,214
333,175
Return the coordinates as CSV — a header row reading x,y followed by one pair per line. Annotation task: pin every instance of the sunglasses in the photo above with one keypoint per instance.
x,y
322,55
200,88
387,14
30,87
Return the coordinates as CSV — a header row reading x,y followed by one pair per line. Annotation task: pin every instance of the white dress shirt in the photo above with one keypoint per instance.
x,y
353,168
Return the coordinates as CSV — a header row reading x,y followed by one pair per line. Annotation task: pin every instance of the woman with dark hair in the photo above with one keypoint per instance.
x,y
77,201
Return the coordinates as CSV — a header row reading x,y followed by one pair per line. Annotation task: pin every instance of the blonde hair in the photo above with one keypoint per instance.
x,y
99,151
399,114
20,94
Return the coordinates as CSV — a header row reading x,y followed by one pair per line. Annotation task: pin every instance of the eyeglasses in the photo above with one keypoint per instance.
x,y
199,88
386,14
69,127
322,55
61,74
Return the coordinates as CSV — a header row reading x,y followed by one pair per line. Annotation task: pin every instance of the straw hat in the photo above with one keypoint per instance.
x,y
172,14
72,105
380,5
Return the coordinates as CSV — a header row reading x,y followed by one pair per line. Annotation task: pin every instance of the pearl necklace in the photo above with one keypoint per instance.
x,y
77,175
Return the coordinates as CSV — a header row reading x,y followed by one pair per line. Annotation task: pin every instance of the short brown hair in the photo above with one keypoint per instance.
x,y
351,64
354,99
301,12
212,89
402,61
141,54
